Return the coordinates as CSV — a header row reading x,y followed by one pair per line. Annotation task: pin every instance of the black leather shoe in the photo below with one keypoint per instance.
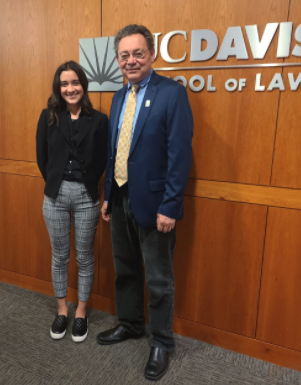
x,y
58,328
116,335
157,364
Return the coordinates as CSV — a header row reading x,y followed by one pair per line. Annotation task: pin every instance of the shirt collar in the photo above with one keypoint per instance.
x,y
143,82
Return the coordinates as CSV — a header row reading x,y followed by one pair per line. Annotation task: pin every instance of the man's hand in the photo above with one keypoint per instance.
x,y
164,223
105,216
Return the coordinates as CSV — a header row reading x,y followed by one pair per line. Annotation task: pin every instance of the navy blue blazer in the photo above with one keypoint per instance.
x,y
160,154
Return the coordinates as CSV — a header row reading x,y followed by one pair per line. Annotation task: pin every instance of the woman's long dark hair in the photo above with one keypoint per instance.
x,y
56,103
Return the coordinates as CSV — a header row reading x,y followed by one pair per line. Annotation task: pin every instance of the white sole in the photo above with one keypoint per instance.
x,y
56,336
79,339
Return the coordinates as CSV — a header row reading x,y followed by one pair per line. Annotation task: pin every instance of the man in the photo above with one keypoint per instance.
x,y
149,160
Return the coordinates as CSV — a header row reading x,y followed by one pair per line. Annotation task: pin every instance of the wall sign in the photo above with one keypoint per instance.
x,y
97,57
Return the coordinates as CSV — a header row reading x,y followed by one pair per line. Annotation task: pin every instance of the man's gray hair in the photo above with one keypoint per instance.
x,y
133,29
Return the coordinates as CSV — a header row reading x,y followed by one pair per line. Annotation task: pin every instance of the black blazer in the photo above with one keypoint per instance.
x,y
54,145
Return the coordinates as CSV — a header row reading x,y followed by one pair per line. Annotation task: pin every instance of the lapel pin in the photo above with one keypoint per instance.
x,y
147,103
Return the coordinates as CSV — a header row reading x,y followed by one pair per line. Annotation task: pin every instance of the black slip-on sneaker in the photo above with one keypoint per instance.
x,y
80,329
59,326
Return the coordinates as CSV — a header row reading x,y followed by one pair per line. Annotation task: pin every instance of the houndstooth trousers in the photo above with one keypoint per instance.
x,y
74,198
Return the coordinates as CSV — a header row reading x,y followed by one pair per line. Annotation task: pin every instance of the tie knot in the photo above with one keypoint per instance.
x,y
134,88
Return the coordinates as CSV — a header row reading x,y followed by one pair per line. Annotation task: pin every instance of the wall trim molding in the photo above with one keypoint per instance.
x,y
19,167
227,191
245,193
234,192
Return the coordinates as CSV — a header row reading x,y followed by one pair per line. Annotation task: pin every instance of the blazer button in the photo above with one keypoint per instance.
x,y
84,171
82,161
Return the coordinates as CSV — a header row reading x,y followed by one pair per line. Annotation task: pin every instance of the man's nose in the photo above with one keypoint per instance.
x,y
131,59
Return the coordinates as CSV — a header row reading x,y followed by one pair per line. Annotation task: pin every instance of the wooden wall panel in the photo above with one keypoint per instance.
x,y
22,71
218,264
234,132
106,271
280,311
287,160
36,36
25,245
169,15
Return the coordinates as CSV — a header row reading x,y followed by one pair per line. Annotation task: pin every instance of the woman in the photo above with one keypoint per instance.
x,y
71,155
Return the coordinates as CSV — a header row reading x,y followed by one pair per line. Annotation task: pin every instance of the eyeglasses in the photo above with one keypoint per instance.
x,y
137,54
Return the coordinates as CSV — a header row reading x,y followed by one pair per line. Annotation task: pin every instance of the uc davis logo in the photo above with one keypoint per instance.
x,y
97,58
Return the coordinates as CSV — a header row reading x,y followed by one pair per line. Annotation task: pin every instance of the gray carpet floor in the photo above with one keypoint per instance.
x,y
29,356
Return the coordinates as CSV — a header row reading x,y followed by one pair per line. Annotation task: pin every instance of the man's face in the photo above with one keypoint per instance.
x,y
133,69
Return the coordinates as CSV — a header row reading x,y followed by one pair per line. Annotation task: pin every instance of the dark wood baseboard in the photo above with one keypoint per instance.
x,y
240,344
248,346
96,301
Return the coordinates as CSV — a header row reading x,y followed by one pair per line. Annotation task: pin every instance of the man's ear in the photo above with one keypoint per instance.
x,y
152,53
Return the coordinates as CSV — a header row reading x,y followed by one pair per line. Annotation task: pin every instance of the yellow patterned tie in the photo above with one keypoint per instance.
x,y
124,142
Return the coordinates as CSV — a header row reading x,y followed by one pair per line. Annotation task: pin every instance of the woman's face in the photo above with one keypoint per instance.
x,y
71,89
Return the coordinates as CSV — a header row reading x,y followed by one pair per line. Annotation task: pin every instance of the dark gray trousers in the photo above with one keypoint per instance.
x,y
134,245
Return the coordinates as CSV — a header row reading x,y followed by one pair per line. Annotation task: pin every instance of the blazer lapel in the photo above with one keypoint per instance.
x,y
85,126
64,126
150,95
116,114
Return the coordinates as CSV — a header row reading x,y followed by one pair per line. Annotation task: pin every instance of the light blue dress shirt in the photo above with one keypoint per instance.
x,y
139,97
